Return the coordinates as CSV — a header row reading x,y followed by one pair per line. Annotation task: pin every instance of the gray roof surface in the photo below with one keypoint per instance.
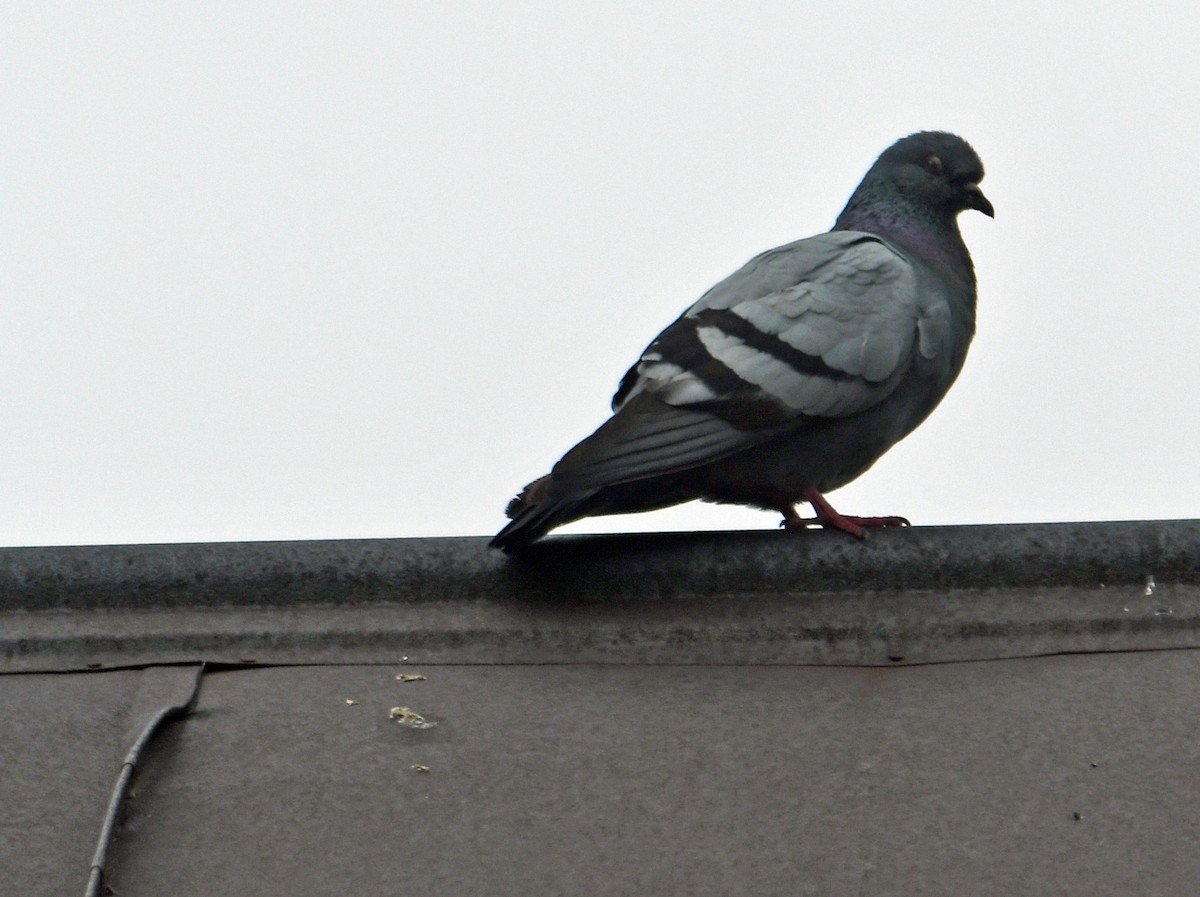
x,y
976,710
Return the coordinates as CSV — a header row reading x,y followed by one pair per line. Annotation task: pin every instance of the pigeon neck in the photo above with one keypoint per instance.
x,y
921,232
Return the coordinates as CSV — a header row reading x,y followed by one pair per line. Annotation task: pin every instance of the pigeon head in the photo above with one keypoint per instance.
x,y
930,174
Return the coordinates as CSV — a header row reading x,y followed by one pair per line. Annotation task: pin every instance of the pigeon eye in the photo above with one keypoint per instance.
x,y
933,165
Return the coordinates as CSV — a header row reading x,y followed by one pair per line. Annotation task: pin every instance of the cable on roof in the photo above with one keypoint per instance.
x,y
115,802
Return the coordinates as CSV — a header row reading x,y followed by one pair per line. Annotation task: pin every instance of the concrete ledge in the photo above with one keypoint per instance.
x,y
604,568
906,596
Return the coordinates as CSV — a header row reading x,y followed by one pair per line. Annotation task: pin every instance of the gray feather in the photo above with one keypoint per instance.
x,y
649,438
797,371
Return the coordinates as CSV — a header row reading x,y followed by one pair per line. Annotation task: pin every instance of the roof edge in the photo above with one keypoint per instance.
x,y
609,568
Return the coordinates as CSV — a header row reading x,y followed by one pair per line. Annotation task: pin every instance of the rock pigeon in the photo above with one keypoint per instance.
x,y
792,376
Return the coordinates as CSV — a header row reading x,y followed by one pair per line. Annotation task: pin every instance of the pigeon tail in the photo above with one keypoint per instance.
x,y
534,513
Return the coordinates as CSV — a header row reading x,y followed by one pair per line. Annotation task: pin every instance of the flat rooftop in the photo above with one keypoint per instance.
x,y
968,710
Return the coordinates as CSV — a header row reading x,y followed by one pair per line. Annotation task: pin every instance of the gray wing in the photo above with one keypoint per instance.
x,y
824,327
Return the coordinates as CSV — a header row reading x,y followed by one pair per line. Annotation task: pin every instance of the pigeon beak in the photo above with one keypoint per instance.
x,y
976,200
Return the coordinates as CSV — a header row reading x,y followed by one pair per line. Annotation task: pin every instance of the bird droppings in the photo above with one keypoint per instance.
x,y
420,767
351,701
409,677
406,716
1150,585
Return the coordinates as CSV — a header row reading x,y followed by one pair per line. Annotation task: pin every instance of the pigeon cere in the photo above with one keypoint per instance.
x,y
792,376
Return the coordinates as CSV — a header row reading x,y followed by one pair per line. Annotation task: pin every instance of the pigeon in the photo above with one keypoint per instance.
x,y
792,376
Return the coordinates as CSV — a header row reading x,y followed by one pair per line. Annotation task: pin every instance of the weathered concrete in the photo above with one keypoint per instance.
x,y
872,628
721,713
912,596
610,568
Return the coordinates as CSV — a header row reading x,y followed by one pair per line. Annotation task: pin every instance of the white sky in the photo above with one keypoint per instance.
x,y
342,270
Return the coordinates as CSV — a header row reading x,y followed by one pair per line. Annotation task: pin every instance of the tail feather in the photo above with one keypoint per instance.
x,y
534,513
638,460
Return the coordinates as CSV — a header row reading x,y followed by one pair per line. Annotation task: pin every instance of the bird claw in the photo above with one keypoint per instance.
x,y
881,521
828,518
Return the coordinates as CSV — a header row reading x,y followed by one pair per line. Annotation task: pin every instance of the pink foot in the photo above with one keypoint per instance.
x,y
828,518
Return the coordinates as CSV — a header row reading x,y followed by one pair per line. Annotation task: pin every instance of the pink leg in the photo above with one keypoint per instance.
x,y
829,518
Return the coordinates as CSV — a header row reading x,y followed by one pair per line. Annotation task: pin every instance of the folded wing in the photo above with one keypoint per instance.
x,y
824,327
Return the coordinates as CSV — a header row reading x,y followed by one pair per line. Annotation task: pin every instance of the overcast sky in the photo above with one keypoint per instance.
x,y
277,271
